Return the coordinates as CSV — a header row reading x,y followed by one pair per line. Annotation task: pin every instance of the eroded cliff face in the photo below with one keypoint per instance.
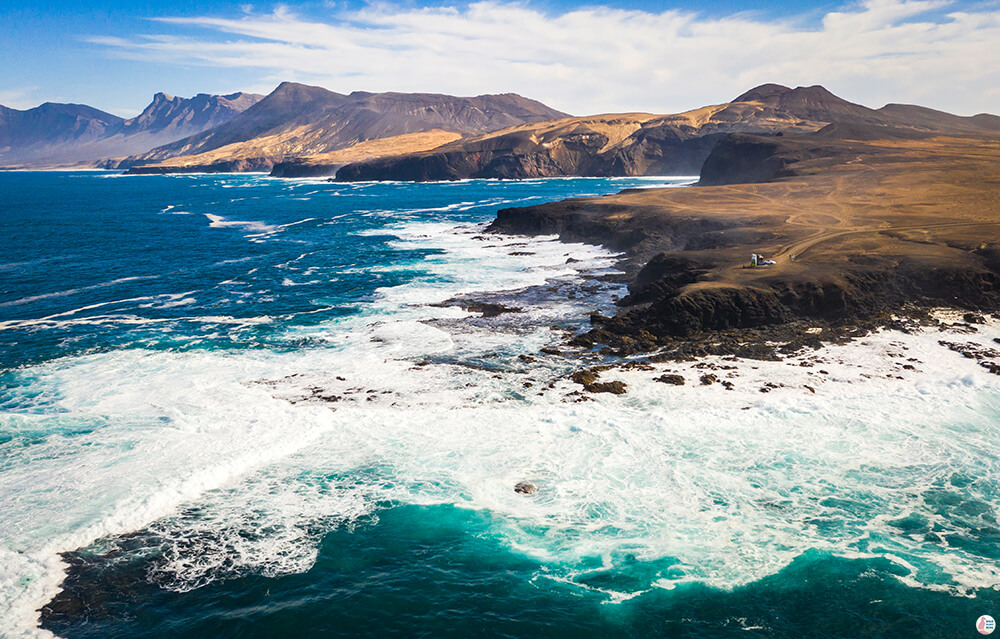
x,y
595,146
678,307
638,229
745,158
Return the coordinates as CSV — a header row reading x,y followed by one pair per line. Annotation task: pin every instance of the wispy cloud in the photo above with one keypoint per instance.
x,y
601,59
19,98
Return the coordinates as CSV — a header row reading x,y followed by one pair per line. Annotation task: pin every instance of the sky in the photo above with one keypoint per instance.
x,y
582,58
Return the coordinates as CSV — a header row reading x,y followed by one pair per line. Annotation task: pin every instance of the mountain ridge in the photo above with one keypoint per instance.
x,y
301,120
66,134
676,144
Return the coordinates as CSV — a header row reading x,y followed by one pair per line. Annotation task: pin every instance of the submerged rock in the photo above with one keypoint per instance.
x,y
616,388
525,488
486,309
588,379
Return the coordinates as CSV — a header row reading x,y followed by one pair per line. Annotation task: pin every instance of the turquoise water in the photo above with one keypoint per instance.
x,y
234,406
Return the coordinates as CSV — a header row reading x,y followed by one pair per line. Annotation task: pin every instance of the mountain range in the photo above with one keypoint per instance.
x,y
645,144
66,134
297,120
299,130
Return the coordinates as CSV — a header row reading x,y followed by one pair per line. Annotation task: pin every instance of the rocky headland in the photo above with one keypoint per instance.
x,y
864,224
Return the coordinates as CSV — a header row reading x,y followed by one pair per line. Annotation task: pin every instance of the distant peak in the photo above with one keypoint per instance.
x,y
298,88
763,92
163,97
295,86
293,92
776,94
816,89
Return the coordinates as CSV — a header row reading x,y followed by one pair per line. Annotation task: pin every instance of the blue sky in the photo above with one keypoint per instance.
x,y
614,55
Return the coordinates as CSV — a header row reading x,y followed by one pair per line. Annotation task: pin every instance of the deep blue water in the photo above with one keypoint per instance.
x,y
235,406
75,240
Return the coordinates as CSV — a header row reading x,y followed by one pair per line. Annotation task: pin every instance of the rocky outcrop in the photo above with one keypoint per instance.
x,y
247,165
637,229
860,295
745,158
683,313
742,158
297,168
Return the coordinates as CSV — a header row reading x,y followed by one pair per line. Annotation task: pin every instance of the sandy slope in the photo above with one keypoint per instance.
x,y
277,147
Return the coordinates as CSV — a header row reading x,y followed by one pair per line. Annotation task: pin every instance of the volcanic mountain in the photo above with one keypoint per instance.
x,y
62,134
297,120
645,144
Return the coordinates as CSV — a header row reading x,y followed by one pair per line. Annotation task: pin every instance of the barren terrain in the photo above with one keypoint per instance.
x,y
863,229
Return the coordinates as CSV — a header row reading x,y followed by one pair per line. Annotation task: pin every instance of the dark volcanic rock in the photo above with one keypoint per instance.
x,y
616,387
665,273
638,230
744,158
486,309
525,488
589,380
584,378
691,312
298,168
227,166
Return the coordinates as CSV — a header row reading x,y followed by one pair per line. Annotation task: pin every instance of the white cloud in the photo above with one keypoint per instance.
x,y
601,59
21,98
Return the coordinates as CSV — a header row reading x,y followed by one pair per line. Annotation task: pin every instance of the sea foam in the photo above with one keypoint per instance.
x,y
413,400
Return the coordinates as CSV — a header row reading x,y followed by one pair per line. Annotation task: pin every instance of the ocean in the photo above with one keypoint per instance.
x,y
239,406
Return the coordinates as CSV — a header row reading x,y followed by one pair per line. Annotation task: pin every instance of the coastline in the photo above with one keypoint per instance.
x,y
857,244
441,397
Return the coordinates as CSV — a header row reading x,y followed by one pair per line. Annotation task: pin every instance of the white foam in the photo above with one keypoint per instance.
x,y
313,438
289,282
74,291
219,222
